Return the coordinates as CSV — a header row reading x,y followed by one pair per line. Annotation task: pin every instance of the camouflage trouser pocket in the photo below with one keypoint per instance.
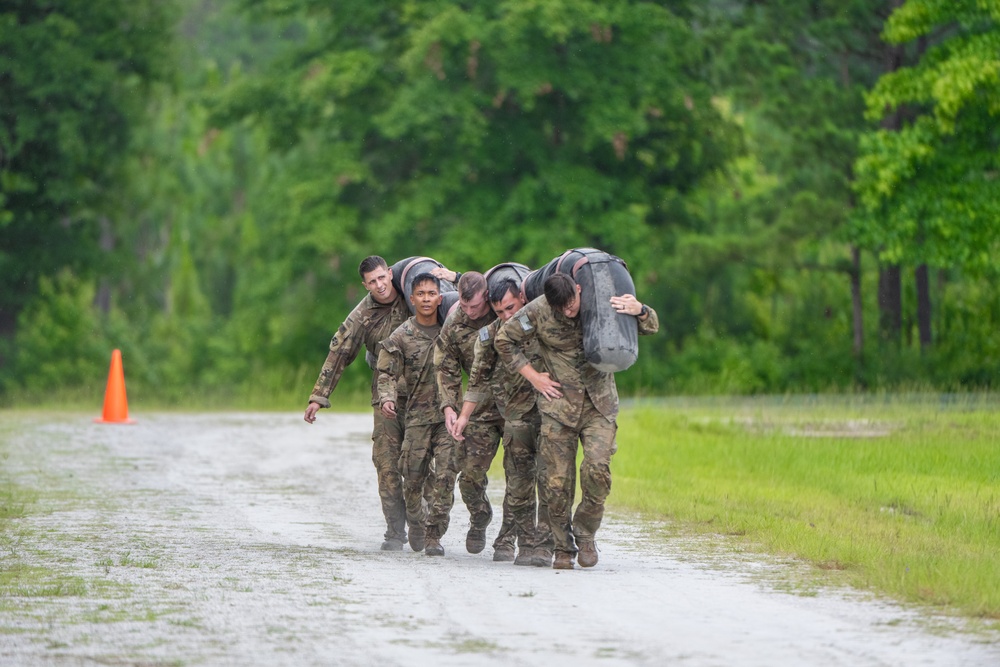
x,y
413,458
480,446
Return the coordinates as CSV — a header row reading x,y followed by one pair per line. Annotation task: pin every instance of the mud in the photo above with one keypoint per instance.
x,y
253,539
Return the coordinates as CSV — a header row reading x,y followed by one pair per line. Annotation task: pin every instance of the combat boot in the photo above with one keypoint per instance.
x,y
542,557
475,540
392,544
433,547
525,557
418,536
563,561
588,553
503,553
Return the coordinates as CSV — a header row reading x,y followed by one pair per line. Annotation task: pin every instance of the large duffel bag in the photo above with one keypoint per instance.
x,y
610,339
500,272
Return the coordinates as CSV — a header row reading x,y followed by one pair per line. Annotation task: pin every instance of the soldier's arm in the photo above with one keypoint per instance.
x,y
483,361
510,343
512,338
448,371
649,324
344,348
389,366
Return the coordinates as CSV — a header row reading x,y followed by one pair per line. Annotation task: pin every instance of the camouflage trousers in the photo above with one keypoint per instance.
x,y
427,461
523,474
558,447
387,440
473,457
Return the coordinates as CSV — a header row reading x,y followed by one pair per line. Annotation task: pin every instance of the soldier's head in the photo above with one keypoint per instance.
x,y
425,295
505,297
472,297
376,276
563,294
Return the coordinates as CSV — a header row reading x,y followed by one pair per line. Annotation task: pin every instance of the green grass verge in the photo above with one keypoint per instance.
x,y
902,497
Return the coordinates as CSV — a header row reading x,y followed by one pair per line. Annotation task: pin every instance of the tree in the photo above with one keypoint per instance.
x,y
486,130
929,191
796,74
72,82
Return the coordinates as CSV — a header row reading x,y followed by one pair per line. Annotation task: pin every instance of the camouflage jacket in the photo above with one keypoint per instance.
x,y
369,324
514,396
454,353
561,341
406,373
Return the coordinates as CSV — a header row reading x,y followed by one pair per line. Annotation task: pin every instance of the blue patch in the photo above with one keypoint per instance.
x,y
525,322
484,334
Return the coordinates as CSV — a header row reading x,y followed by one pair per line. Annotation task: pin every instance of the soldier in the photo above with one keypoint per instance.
x,y
373,319
578,404
515,398
406,383
453,354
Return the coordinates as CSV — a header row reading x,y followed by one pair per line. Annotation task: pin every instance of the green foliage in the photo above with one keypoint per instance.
x,y
73,80
60,339
930,191
216,225
541,126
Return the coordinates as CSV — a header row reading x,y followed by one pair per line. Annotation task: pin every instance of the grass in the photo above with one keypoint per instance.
x,y
900,496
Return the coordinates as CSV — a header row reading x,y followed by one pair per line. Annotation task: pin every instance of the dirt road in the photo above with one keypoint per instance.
x,y
252,539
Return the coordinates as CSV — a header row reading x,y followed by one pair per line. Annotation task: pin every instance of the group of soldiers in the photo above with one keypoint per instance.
x,y
529,386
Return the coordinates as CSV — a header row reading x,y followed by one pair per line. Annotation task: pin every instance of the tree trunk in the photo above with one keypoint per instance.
x,y
857,309
890,303
923,306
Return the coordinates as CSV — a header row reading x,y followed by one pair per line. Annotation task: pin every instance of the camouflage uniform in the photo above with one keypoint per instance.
x,y
453,353
586,413
406,377
368,324
515,398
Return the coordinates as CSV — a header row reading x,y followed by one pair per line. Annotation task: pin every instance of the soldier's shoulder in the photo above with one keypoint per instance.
x,y
404,329
536,310
453,323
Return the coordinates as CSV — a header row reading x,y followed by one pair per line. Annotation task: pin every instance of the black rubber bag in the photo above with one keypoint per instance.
x,y
513,270
610,339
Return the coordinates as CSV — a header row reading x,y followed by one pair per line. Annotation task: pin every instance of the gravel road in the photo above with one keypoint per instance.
x,y
253,539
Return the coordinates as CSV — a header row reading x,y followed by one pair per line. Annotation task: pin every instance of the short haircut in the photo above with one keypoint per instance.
x,y
559,290
369,264
470,285
425,278
502,288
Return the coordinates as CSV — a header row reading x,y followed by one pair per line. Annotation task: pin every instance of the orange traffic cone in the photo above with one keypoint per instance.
x,y
115,403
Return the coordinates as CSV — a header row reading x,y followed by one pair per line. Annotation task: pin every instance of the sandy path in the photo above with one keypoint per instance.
x,y
249,539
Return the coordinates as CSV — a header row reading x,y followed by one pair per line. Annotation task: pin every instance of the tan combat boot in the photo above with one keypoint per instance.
x,y
503,554
475,540
563,561
418,537
588,553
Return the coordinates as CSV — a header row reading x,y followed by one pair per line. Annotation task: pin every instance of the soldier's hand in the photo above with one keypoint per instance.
x,y
627,304
546,386
311,411
450,417
459,427
389,409
442,273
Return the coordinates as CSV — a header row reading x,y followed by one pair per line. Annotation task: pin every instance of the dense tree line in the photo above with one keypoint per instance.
x,y
805,191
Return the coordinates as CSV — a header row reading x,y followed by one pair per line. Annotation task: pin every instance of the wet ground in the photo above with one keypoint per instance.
x,y
253,539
